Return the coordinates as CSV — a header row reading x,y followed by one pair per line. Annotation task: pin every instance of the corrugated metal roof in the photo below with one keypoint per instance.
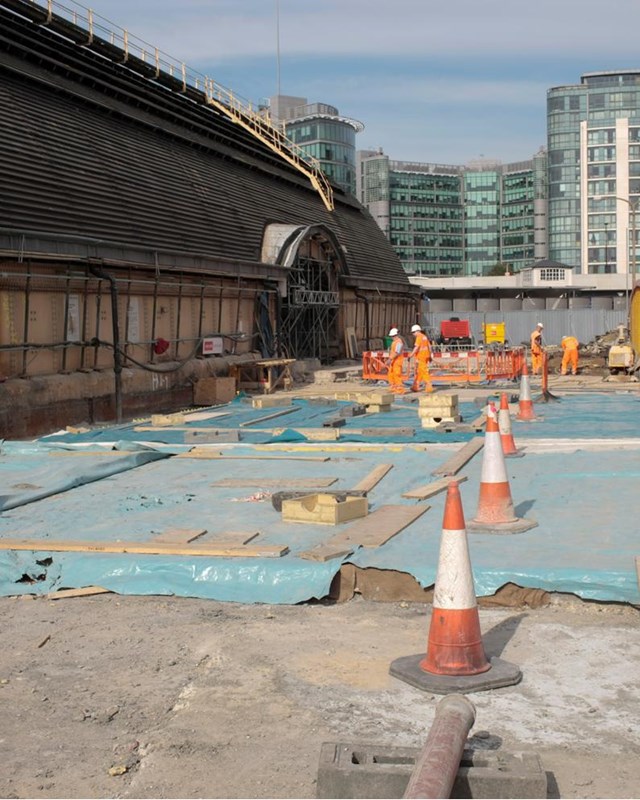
x,y
92,149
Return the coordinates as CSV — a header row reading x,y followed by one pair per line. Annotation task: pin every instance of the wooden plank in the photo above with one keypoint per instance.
x,y
200,416
431,489
179,535
378,527
85,591
216,454
193,428
147,548
267,417
465,454
373,478
638,569
325,552
303,483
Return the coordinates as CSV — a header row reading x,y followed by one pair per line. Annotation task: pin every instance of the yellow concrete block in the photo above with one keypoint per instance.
x,y
375,409
438,400
375,398
269,401
430,422
324,509
438,411
167,419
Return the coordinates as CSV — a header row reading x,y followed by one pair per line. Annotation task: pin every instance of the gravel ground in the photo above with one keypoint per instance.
x,y
113,696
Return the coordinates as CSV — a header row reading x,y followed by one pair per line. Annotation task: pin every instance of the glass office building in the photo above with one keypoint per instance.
x,y
323,133
458,220
593,138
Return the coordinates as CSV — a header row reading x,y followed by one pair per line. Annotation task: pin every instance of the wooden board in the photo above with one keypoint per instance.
x,y
199,416
373,478
86,591
179,535
216,454
431,489
213,549
293,483
379,526
171,428
325,552
267,417
465,454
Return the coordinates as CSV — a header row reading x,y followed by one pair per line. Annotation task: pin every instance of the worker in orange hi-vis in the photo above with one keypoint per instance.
x,y
395,362
569,354
422,354
536,349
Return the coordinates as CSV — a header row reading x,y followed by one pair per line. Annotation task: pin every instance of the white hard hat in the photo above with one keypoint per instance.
x,y
540,325
393,332
415,328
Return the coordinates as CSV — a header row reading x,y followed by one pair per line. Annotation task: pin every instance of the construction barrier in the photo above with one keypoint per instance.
x,y
453,366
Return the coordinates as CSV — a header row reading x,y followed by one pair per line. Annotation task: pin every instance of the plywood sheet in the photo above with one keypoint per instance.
x,y
293,483
379,526
148,548
431,489
465,454
373,478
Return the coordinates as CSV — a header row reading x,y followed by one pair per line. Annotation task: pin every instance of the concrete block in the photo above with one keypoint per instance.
x,y
163,420
438,411
214,391
438,399
334,422
352,411
354,771
429,422
388,433
374,408
324,509
375,398
269,401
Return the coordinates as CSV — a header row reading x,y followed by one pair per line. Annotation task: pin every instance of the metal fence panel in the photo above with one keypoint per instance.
x,y
583,323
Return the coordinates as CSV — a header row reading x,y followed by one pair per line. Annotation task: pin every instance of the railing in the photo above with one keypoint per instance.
x,y
449,366
138,54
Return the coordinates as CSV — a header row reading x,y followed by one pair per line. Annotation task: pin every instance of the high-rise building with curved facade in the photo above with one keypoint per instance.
x,y
593,138
322,132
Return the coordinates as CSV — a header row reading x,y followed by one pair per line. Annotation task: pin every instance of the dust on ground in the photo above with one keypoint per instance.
x,y
113,696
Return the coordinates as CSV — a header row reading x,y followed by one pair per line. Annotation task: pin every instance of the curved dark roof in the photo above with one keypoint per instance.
x,y
91,148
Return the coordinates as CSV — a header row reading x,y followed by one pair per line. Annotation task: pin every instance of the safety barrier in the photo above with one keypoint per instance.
x,y
452,366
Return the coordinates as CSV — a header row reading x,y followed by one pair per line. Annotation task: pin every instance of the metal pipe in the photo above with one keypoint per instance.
x,y
99,272
436,767
367,321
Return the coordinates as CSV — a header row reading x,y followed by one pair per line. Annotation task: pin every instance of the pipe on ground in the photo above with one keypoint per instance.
x,y
437,765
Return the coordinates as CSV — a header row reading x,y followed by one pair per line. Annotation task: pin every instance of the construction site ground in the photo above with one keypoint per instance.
x,y
122,695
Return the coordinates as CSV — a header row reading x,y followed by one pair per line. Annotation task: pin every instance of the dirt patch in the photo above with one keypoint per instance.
x,y
115,696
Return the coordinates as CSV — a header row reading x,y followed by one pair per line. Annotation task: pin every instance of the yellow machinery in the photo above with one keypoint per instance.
x,y
494,332
624,355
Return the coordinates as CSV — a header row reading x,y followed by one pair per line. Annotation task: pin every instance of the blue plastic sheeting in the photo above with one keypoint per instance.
x,y
179,493
285,428
583,417
585,504
30,472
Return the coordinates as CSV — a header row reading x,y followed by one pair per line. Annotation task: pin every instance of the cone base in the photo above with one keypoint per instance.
x,y
518,454
518,525
501,673
528,419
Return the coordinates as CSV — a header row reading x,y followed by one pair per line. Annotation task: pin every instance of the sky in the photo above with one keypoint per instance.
x,y
436,81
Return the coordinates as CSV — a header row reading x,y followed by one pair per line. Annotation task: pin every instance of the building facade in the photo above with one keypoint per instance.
x,y
593,137
458,220
323,133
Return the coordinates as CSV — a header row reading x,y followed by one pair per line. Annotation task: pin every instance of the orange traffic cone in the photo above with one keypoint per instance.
x,y
509,448
455,660
495,507
525,404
